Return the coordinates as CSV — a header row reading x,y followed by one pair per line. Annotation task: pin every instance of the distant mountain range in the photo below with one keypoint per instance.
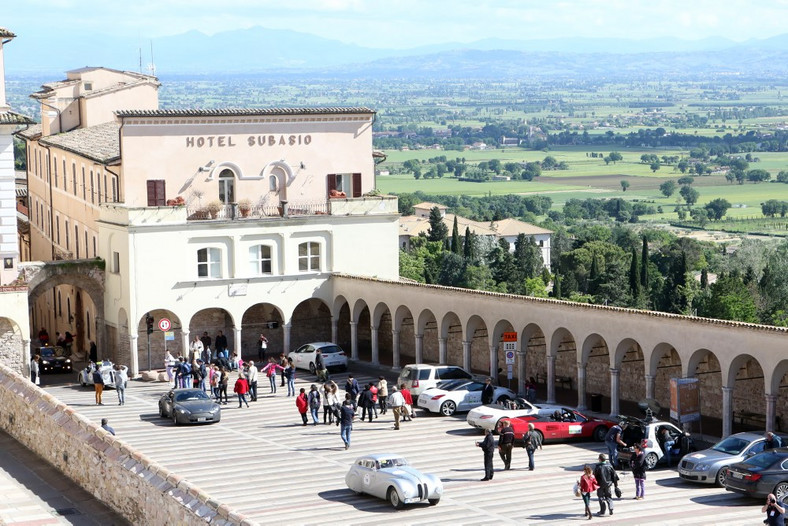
x,y
272,51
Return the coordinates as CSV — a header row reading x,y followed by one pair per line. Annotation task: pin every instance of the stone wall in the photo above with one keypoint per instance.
x,y
11,347
117,475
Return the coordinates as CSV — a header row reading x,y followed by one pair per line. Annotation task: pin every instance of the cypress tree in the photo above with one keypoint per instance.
x,y
455,237
557,284
437,231
644,266
704,279
634,275
468,248
593,278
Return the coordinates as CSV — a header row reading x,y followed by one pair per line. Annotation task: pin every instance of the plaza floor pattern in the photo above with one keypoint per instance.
x,y
263,463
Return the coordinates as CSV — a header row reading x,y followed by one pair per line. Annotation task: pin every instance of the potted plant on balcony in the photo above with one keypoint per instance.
x,y
213,208
245,207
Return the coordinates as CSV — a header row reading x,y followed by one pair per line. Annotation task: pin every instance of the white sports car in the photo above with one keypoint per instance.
x,y
488,416
462,397
388,476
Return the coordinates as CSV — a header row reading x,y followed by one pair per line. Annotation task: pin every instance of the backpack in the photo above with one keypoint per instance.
x,y
186,368
314,399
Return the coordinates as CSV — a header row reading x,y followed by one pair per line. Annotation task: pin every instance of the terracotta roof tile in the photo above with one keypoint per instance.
x,y
99,143
9,117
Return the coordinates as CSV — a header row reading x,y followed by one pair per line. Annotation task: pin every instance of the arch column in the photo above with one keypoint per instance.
x,y
26,357
466,355
651,381
374,341
494,362
353,341
419,347
286,337
442,353
520,370
771,411
237,340
550,379
581,386
134,360
334,329
100,331
614,388
184,341
727,411
395,349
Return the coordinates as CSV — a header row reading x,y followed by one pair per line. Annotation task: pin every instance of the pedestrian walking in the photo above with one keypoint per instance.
x,y
302,403
587,484
169,365
532,440
330,401
120,384
98,384
320,367
397,403
374,390
346,415
505,443
251,376
224,380
638,464
366,402
216,374
488,447
270,372
35,369
607,478
289,373
314,403
283,361
241,388
383,394
352,387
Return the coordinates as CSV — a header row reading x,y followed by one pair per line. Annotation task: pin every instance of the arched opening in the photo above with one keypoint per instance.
x,y
564,348
265,319
310,322
476,333
211,321
535,349
665,364
748,397
363,330
227,186
384,324
506,373
451,330
403,322
160,341
596,358
428,328
705,366
631,366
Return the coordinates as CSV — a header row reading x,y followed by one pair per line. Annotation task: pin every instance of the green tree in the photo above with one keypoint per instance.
x,y
452,271
668,188
634,275
527,259
686,180
455,237
758,175
644,265
689,194
468,251
615,157
624,185
731,300
717,208
501,262
655,166
438,230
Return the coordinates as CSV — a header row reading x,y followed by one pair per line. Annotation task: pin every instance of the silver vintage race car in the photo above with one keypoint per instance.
x,y
388,476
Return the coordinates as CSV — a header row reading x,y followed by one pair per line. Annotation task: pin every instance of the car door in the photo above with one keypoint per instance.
x,y
472,396
753,449
168,403
299,357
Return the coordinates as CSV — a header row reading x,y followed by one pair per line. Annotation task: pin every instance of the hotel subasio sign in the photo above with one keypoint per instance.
x,y
231,141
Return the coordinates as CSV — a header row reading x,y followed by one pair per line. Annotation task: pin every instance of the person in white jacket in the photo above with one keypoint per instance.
x,y
251,376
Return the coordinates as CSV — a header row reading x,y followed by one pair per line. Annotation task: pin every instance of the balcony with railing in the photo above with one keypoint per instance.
x,y
371,205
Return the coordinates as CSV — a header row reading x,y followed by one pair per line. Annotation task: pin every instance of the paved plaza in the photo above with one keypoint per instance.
x,y
263,463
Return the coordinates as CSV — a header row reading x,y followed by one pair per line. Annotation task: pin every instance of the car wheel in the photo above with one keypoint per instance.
x,y
503,399
448,408
781,491
434,502
720,478
651,460
599,433
312,368
394,500
174,418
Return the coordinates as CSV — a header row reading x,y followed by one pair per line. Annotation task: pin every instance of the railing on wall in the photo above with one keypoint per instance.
x,y
235,211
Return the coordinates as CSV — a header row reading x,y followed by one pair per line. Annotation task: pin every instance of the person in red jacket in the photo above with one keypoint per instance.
x,y
587,484
409,412
241,388
302,403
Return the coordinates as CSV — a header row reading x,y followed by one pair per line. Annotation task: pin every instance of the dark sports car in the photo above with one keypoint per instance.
x,y
562,425
189,406
53,360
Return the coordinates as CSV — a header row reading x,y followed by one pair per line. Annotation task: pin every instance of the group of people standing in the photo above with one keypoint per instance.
x,y
532,440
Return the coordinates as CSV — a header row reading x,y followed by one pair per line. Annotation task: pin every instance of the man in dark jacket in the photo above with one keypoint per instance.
x,y
532,440
351,387
489,392
367,402
607,478
347,412
220,345
505,443
488,446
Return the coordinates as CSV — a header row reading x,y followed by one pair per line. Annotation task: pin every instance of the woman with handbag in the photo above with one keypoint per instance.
x,y
639,472
586,485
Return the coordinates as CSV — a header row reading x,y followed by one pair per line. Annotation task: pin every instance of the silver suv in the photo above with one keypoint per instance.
x,y
420,376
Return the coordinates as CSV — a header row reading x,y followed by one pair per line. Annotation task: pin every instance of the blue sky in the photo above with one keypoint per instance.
x,y
407,23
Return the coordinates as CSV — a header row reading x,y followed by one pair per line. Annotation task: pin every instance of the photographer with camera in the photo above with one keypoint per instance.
x,y
774,512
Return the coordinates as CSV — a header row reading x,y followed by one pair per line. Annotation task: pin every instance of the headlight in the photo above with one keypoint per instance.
x,y
181,411
702,467
215,409
68,361
45,362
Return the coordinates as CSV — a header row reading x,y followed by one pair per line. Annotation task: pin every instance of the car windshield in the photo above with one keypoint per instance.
x,y
331,349
47,353
191,395
449,385
731,445
764,460
393,462
471,386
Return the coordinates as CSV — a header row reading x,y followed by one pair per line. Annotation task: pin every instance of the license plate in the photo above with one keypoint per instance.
x,y
737,475
201,419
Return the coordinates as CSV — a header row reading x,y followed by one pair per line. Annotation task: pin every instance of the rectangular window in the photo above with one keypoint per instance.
x,y
92,189
67,236
94,246
209,263
115,260
76,240
309,257
156,194
98,179
84,189
86,244
114,189
65,175
54,166
57,229
74,178
260,259
106,189
349,184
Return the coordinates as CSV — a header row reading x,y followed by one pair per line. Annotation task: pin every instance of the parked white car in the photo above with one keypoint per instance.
x,y
648,432
107,370
488,416
333,356
462,397
418,377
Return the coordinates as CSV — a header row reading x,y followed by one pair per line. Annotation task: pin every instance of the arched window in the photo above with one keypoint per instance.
x,y
209,263
260,259
273,184
227,186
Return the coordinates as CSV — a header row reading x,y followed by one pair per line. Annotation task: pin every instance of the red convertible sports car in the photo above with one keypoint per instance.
x,y
563,425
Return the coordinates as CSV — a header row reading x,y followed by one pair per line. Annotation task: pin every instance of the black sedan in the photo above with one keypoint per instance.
x,y
53,360
189,406
760,475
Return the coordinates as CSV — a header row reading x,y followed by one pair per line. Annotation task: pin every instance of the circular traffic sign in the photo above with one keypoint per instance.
x,y
164,324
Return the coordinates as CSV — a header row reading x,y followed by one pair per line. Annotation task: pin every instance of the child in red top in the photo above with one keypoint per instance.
x,y
302,403
241,388
587,485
